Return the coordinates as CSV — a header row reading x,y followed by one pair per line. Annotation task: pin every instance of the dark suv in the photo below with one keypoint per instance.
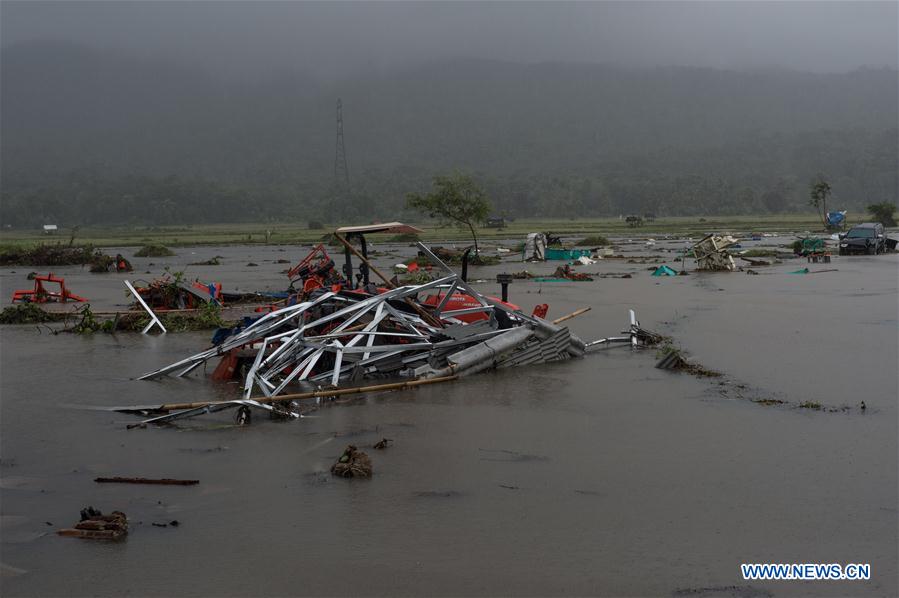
x,y
864,238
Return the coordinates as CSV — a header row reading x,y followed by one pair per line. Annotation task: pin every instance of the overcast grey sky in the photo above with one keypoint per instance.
x,y
334,39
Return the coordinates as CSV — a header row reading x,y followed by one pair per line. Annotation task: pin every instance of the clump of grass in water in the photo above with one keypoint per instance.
x,y
404,238
25,313
154,250
214,261
759,253
89,324
768,402
667,348
479,260
207,317
593,241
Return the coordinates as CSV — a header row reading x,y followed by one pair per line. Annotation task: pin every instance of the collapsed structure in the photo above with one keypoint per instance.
x,y
711,253
337,338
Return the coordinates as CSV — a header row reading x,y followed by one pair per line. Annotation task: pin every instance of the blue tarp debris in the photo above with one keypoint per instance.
x,y
836,219
664,270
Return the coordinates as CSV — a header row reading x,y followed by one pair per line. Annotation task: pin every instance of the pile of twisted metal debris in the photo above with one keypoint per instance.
x,y
337,339
711,253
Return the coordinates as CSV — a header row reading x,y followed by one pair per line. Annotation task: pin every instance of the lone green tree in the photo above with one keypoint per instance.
x,y
819,189
456,199
883,213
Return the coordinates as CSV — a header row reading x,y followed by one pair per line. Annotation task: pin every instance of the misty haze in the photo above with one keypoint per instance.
x,y
201,112
596,298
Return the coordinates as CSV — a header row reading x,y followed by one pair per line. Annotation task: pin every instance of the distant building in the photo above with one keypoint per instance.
x,y
496,222
50,229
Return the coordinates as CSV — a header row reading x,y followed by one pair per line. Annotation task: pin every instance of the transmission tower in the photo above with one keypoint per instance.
x,y
341,172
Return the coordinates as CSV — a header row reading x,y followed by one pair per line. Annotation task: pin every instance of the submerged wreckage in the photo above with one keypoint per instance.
x,y
345,339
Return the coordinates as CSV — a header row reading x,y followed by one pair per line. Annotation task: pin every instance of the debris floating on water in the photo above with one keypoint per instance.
x,y
382,444
94,525
336,338
711,253
353,463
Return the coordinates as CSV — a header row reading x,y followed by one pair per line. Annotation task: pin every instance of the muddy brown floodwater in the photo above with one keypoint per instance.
x,y
597,476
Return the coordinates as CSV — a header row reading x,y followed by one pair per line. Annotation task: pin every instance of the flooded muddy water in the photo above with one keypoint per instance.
x,y
595,476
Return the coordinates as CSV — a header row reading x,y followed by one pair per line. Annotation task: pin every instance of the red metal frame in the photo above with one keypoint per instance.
x,y
41,295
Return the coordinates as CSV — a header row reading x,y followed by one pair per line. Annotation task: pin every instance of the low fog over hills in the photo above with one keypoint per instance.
x,y
95,134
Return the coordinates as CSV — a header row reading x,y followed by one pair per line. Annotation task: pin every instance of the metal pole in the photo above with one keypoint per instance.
x,y
153,318
334,392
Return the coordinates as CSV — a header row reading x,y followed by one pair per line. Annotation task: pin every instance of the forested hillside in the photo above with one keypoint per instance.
x,y
93,135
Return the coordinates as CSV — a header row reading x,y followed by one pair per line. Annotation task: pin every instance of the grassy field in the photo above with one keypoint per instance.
x,y
298,233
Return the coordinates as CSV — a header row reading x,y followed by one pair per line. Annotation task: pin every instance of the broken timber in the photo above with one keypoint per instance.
x,y
161,481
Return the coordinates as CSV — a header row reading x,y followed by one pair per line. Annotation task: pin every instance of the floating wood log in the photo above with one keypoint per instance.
x,y
162,481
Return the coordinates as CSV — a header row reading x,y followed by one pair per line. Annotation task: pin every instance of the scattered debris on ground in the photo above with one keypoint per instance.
x,y
348,336
94,525
768,402
171,291
353,463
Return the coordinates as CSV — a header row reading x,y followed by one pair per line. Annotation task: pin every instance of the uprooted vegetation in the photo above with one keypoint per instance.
x,y
208,317
154,250
672,358
53,255
454,257
213,261
27,313
593,241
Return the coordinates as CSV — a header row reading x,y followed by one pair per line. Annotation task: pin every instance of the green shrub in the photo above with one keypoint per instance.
x,y
154,251
883,213
593,241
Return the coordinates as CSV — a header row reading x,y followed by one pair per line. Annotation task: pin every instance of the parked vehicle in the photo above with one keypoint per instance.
x,y
864,238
